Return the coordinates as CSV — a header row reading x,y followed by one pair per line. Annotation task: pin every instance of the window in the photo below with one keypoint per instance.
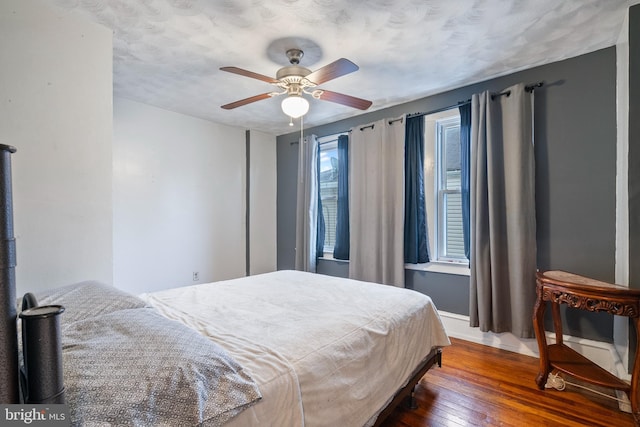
x,y
329,188
442,186
442,178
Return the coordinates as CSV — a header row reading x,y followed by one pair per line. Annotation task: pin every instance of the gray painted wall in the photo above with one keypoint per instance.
x,y
634,163
575,133
634,147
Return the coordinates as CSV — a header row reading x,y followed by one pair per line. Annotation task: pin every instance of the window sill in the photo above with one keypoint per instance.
x,y
441,267
329,257
432,267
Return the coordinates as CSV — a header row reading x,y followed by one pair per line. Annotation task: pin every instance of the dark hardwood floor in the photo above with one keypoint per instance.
x,y
484,386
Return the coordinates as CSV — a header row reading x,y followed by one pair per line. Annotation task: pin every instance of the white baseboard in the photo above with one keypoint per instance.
x,y
602,353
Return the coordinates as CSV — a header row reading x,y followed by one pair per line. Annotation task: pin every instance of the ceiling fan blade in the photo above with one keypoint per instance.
x,y
246,101
240,71
350,101
331,71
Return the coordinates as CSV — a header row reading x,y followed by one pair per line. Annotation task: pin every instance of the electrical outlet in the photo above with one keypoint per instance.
x,y
196,276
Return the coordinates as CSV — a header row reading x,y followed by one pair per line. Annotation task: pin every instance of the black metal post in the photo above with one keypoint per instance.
x,y
42,351
9,389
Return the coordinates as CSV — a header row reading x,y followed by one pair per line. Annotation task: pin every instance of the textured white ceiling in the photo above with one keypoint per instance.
x,y
168,53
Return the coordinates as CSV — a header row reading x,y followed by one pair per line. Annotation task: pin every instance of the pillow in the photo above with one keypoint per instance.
x,y
81,301
136,367
87,299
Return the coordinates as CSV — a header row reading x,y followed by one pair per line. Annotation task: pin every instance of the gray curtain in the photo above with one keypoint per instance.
x,y
503,228
376,202
307,205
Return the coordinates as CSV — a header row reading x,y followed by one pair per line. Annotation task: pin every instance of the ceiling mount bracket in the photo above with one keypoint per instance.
x,y
294,55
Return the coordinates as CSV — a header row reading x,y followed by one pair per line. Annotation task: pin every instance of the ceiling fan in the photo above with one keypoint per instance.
x,y
295,80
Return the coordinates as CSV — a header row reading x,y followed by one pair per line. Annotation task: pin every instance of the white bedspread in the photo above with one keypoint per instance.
x,y
342,346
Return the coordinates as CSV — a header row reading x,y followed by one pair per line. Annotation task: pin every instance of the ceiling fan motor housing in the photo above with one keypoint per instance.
x,y
292,79
292,71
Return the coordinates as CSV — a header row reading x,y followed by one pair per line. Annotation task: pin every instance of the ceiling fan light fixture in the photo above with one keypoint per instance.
x,y
295,106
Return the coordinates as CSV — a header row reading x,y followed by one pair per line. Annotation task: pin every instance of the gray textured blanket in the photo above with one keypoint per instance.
x,y
128,365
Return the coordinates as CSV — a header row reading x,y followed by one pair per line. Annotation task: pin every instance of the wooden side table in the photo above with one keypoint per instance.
x,y
560,287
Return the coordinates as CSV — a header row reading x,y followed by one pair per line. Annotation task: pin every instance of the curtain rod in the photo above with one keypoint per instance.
x,y
399,119
531,87
439,110
528,88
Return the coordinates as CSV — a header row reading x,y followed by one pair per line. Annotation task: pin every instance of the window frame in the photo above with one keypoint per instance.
x,y
441,191
324,143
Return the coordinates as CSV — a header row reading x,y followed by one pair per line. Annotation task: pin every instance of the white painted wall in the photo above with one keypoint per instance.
x,y
56,109
262,203
179,199
165,198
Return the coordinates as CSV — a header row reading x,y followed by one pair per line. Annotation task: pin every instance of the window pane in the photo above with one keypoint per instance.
x,y
454,238
452,141
451,158
329,191
452,206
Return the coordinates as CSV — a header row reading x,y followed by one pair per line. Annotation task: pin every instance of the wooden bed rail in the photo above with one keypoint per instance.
x,y
433,358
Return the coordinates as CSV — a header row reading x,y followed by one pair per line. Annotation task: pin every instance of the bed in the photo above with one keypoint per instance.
x,y
295,349
341,347
279,349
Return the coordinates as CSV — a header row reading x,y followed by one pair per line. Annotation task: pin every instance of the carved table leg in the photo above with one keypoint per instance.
x,y
538,325
557,321
635,376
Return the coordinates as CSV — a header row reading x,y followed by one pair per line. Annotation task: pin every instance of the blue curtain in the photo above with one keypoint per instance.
x,y
341,247
320,228
465,157
415,215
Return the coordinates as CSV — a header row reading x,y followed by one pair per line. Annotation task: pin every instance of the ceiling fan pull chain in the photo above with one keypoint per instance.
x,y
301,127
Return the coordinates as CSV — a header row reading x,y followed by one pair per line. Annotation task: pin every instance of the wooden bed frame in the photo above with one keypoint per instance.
x,y
407,393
